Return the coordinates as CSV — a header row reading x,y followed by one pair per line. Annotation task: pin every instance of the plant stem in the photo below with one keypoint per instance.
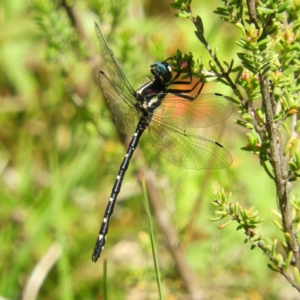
x,y
277,159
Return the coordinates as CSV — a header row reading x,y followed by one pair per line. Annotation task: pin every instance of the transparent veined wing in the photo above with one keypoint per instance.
x,y
203,111
125,115
183,149
115,72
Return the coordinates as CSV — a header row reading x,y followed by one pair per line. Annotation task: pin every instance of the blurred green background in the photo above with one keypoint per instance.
x,y
60,153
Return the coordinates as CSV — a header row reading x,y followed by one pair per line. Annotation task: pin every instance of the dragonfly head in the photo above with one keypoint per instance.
x,y
161,71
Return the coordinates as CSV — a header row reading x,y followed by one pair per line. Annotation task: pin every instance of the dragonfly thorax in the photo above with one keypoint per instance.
x,y
150,95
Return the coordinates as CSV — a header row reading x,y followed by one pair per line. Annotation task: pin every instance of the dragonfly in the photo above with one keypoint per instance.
x,y
165,112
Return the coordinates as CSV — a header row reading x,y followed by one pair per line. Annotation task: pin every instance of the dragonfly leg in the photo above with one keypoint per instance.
x,y
181,92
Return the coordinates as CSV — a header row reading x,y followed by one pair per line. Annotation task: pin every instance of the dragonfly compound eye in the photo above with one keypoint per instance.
x,y
162,71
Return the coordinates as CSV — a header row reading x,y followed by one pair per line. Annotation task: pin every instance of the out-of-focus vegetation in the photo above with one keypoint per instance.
x,y
60,152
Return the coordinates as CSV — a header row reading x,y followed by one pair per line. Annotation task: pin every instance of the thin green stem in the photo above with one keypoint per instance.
x,y
154,252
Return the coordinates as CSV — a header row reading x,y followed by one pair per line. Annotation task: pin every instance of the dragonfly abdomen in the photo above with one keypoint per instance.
x,y
116,189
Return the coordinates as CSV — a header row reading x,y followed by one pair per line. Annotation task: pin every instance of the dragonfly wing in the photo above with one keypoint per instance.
x,y
116,74
187,150
125,115
203,111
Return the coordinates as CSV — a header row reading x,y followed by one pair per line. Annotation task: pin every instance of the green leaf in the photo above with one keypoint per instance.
x,y
244,44
282,7
296,275
200,24
267,11
273,268
222,12
222,226
288,260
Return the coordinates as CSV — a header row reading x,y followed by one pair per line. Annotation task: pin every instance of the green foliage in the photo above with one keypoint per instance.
x,y
63,43
247,219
